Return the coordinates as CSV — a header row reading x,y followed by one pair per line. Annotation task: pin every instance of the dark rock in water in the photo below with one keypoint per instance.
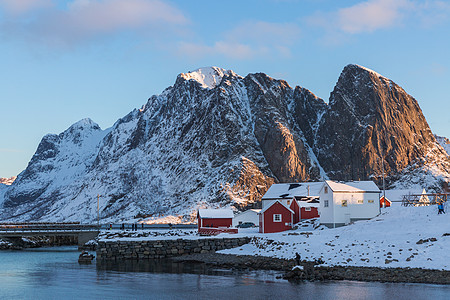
x,y
85,258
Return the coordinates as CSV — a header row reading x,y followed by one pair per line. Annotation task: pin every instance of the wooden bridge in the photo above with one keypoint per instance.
x,y
84,233
424,199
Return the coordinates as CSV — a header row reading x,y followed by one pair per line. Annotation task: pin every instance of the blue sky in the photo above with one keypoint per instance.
x,y
62,61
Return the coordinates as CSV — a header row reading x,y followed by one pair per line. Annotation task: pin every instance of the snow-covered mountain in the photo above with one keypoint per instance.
x,y
217,139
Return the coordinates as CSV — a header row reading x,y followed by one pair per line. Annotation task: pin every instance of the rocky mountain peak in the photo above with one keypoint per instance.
x,y
369,119
207,77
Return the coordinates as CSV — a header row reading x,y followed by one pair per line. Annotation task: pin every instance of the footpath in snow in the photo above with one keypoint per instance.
x,y
415,237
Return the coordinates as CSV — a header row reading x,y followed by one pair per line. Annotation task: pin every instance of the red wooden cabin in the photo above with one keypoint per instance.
x,y
385,201
215,221
275,217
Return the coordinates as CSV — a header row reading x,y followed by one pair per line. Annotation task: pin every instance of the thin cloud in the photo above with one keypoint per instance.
x,y
86,20
18,7
363,17
248,40
372,15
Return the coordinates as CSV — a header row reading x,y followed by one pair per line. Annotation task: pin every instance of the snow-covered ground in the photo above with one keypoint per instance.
x,y
399,237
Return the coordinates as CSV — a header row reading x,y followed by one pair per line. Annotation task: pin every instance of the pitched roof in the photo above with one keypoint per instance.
x,y
353,186
219,213
272,203
290,190
309,203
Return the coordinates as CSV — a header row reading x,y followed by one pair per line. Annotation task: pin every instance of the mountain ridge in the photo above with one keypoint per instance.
x,y
217,139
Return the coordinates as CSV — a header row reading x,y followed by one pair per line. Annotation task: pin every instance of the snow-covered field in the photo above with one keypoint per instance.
x,y
399,237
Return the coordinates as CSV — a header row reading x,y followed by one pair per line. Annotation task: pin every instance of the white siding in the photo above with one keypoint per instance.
x,y
250,215
336,213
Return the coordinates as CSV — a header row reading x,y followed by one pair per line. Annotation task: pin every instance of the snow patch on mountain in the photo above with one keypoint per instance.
x,y
208,77
444,142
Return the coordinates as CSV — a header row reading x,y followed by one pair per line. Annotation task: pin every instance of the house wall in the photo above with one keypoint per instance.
x,y
270,226
326,213
294,206
246,216
313,213
354,210
222,222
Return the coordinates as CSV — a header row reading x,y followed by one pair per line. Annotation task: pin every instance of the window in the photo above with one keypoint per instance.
x,y
360,201
277,217
344,203
307,208
370,201
289,202
325,190
325,203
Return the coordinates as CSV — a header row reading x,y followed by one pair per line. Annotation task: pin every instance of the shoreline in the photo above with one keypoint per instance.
x,y
37,242
308,271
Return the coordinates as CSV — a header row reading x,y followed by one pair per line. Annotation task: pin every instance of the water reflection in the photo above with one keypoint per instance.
x,y
55,274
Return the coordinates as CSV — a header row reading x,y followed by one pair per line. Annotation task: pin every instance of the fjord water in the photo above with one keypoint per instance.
x,y
54,273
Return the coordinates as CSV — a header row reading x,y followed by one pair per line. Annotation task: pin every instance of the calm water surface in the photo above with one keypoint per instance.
x,y
54,273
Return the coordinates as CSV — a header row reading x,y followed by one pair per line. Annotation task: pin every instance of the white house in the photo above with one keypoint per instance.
x,y
345,202
250,215
286,192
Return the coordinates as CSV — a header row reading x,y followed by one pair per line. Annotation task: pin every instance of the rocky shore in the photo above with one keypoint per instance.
x,y
310,271
36,242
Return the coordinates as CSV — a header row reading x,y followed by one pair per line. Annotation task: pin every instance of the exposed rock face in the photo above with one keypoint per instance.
x,y
8,181
370,118
216,139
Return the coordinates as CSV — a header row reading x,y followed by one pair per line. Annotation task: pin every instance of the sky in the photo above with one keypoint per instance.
x,y
65,60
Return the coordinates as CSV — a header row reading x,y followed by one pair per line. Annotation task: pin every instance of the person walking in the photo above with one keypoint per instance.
x,y
441,208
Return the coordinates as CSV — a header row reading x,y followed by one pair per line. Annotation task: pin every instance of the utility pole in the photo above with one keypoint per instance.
x,y
384,189
98,211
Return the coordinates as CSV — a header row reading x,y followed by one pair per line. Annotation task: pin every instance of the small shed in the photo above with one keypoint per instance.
x,y
309,209
275,217
215,218
385,202
248,216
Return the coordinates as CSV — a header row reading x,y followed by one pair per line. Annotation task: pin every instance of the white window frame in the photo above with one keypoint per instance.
x,y
275,217
307,208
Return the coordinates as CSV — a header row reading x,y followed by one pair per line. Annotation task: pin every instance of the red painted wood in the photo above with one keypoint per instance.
x,y
387,203
294,206
313,213
271,226
215,223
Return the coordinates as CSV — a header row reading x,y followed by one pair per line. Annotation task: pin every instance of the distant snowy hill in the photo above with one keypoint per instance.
x,y
217,139
444,142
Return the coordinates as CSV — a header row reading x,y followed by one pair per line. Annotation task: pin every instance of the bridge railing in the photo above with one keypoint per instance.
x,y
49,227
